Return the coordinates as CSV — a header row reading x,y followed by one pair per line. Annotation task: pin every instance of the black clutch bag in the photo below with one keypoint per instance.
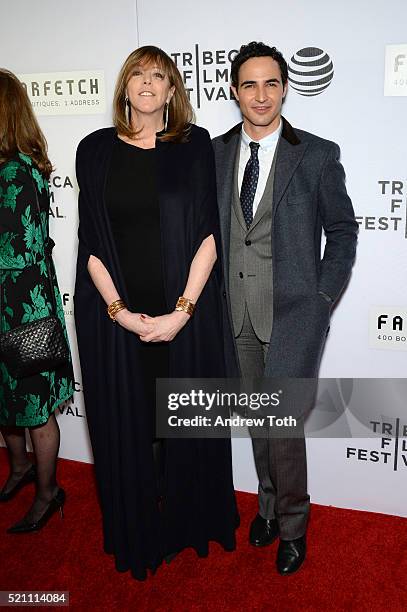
x,y
38,346
35,347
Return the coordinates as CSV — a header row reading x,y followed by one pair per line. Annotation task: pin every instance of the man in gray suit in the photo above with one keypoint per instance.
x,y
278,187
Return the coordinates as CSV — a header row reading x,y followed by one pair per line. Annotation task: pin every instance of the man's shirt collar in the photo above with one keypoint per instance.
x,y
266,143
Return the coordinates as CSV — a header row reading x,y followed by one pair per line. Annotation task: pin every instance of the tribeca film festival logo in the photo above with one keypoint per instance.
x,y
70,409
206,73
388,328
310,71
395,74
56,184
392,449
66,93
394,193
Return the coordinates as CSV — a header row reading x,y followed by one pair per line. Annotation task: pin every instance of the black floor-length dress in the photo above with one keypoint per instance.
x,y
132,202
173,208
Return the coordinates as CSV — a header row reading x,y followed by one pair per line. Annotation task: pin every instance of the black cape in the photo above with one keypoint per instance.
x,y
199,497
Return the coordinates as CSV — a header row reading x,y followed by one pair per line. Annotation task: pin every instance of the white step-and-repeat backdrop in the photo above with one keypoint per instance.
x,y
68,55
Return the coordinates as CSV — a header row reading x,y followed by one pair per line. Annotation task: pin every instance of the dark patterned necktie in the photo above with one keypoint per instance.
x,y
249,184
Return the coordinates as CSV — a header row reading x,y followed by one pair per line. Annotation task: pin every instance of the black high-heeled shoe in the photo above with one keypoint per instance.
x,y
56,503
28,477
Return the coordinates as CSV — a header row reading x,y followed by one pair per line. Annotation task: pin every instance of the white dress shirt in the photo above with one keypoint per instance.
x,y
266,152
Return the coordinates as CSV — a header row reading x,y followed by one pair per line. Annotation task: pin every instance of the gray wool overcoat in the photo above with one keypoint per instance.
x,y
309,196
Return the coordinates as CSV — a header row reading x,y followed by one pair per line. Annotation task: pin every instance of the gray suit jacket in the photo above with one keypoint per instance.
x,y
309,195
250,261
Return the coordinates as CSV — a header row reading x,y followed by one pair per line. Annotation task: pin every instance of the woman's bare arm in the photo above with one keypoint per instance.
x,y
166,327
104,284
200,269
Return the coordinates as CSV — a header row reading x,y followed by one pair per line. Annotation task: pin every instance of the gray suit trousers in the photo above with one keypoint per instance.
x,y
281,463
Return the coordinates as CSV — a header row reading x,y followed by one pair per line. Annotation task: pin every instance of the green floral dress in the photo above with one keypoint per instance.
x,y
25,288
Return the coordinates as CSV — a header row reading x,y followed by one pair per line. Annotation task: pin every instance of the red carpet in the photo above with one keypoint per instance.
x,y
356,561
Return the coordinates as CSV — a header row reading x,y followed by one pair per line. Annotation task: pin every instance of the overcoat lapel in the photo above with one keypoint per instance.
x,y
289,154
226,165
236,199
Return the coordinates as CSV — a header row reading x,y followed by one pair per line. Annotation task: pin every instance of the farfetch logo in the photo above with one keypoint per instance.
x,y
66,93
394,219
67,304
392,450
206,73
310,71
388,328
395,75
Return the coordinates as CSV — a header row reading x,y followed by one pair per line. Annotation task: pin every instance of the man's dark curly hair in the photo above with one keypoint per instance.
x,y
257,49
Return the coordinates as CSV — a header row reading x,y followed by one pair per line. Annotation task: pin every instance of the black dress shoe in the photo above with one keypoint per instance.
x,y
263,531
56,503
28,477
290,555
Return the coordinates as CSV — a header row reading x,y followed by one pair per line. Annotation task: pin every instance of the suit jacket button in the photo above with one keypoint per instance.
x,y
247,242
224,294
241,274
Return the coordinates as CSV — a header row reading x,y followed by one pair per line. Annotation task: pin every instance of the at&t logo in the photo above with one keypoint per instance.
x,y
310,71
